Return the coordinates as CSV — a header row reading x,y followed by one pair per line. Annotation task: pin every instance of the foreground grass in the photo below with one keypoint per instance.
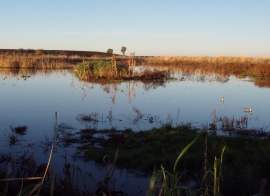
x,y
245,162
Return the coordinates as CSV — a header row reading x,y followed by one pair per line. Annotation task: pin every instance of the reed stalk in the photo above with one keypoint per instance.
x,y
216,173
163,182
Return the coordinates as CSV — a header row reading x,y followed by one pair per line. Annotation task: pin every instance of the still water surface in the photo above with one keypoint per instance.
x,y
33,100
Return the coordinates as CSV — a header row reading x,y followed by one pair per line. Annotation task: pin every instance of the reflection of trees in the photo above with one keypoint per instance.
x,y
17,73
194,74
220,72
106,87
262,82
199,77
83,85
152,85
129,87
114,90
222,78
131,90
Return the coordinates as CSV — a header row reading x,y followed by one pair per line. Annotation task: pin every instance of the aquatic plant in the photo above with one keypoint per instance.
x,y
216,177
167,183
100,69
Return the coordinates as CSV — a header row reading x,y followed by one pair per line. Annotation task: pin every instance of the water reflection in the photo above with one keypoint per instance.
x,y
215,74
128,88
201,99
262,82
151,98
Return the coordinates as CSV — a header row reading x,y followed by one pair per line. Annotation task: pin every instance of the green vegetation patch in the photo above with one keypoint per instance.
x,y
142,150
100,69
245,162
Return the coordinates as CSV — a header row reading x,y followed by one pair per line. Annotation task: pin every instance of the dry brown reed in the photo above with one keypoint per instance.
x,y
36,61
224,65
49,59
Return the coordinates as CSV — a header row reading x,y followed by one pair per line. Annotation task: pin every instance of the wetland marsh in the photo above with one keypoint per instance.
x,y
194,99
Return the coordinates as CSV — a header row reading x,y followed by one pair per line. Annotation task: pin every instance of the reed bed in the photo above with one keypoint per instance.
x,y
23,61
224,65
50,59
98,70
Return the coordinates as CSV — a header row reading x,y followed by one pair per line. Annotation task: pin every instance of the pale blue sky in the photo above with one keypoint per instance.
x,y
146,27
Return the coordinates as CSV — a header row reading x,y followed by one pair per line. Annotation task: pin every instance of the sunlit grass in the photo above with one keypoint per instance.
x,y
223,65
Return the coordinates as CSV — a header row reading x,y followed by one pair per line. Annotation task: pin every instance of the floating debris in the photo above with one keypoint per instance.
x,y
89,118
222,99
21,130
25,76
248,110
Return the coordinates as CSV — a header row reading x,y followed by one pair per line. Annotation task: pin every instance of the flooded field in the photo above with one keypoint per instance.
x,y
29,100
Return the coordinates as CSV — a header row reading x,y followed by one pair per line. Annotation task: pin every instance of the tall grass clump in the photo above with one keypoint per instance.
x,y
212,179
164,182
111,70
100,69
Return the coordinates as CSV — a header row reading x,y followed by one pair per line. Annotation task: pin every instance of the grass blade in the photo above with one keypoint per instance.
x,y
153,181
183,152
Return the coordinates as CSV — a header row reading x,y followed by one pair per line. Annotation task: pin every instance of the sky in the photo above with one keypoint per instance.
x,y
146,27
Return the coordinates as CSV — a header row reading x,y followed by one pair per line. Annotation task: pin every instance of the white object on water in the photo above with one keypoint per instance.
x,y
222,99
249,110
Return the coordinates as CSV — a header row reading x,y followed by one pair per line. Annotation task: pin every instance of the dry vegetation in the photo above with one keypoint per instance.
x,y
55,59
223,65
36,59
51,59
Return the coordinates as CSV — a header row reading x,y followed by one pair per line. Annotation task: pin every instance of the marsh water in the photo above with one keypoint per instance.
x,y
31,98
